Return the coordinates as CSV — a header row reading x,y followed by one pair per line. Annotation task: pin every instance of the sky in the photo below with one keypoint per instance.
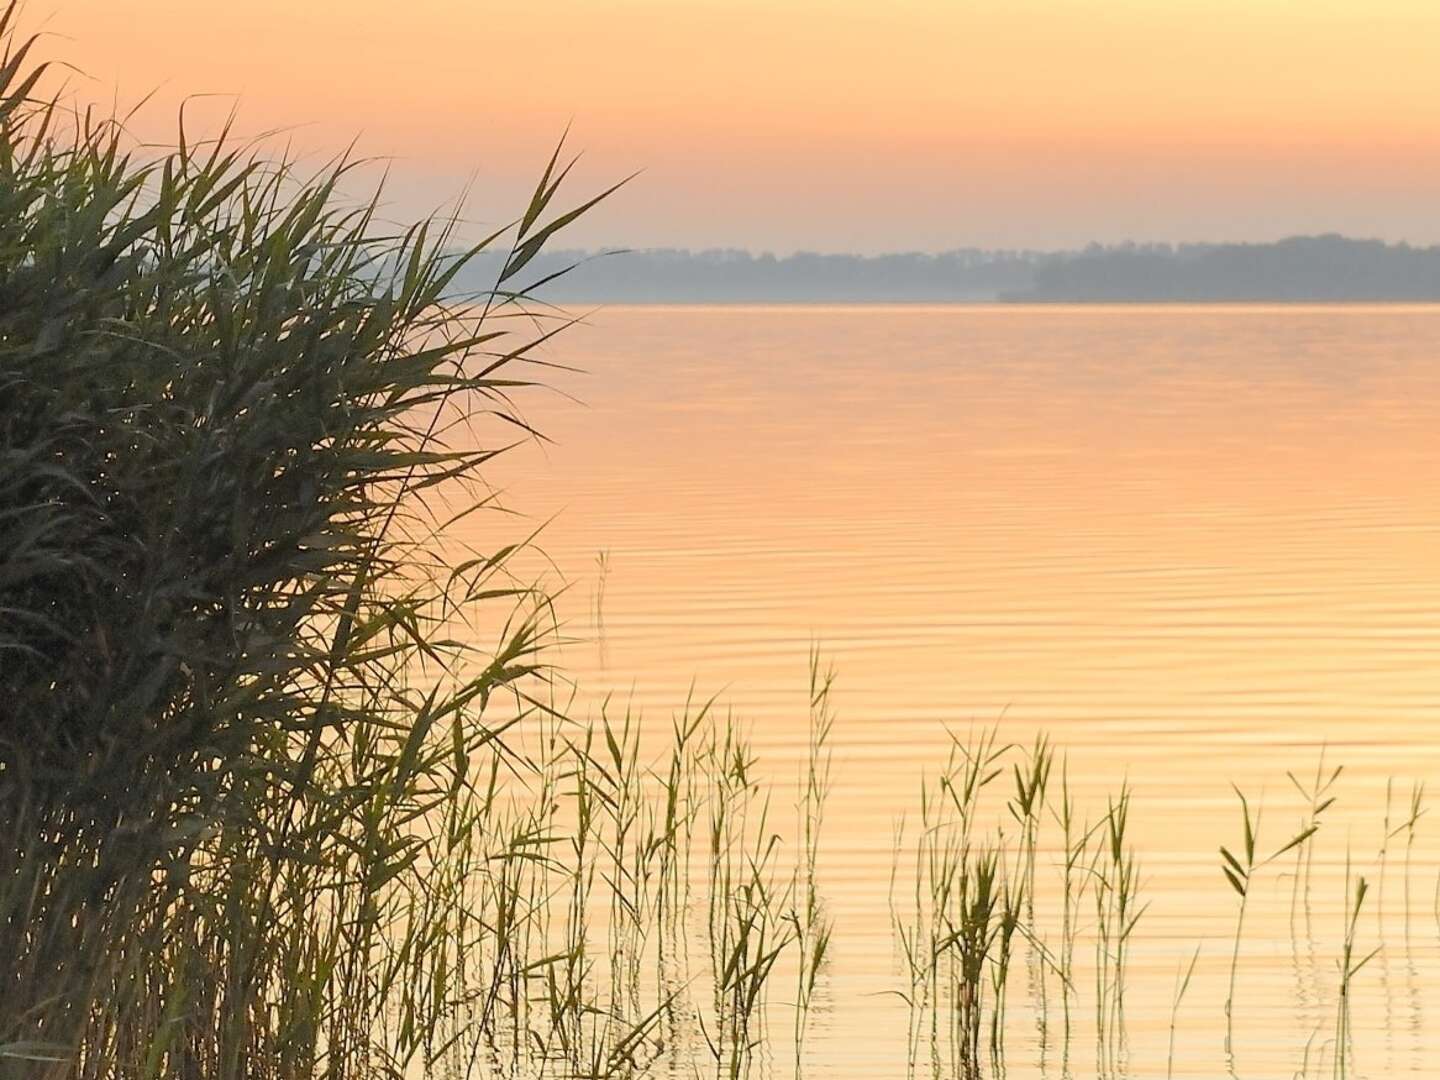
x,y
824,125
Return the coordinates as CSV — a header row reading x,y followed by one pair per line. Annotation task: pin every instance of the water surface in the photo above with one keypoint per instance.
x,y
1193,544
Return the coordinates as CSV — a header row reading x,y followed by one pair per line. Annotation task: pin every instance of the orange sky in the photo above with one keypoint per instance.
x,y
835,124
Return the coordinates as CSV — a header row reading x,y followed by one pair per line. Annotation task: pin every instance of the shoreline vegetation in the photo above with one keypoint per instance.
x,y
290,793
1307,269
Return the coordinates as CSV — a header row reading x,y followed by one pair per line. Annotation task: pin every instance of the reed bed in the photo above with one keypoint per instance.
x,y
977,896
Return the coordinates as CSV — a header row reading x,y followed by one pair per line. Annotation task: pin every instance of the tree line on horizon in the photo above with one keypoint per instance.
x,y
1306,268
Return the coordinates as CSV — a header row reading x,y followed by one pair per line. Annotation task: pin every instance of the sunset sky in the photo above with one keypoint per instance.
x,y
830,125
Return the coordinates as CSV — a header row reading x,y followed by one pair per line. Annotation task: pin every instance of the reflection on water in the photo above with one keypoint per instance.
x,y
1193,545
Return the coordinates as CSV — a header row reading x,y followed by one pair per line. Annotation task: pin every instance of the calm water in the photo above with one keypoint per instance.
x,y
1194,545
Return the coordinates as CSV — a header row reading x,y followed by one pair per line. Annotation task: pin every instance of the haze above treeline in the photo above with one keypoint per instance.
x,y
1313,268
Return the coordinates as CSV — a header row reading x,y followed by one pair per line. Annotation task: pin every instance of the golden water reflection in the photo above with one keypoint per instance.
x,y
1194,545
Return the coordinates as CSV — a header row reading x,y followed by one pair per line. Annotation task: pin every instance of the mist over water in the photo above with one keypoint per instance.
x,y
1193,545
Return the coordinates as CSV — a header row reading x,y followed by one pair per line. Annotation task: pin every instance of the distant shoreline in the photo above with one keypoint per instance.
x,y
1300,270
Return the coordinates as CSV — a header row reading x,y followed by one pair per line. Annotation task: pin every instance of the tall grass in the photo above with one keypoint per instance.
x,y
1240,871
958,938
1319,796
1118,911
1077,876
1348,965
813,927
244,757
749,899
1182,986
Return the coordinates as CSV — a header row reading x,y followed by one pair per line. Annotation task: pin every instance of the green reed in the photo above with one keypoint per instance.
x,y
602,579
1026,808
1077,875
1407,828
959,939
1349,964
1117,913
1182,985
813,928
974,906
748,902
1240,871
1318,793
1027,805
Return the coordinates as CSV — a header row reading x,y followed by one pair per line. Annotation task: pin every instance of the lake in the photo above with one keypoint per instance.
x,y
1196,546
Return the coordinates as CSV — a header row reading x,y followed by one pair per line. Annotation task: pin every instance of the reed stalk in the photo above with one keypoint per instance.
x,y
1240,872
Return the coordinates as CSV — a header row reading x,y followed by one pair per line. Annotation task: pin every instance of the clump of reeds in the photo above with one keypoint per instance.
x,y
243,760
1027,806
748,901
972,909
958,939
